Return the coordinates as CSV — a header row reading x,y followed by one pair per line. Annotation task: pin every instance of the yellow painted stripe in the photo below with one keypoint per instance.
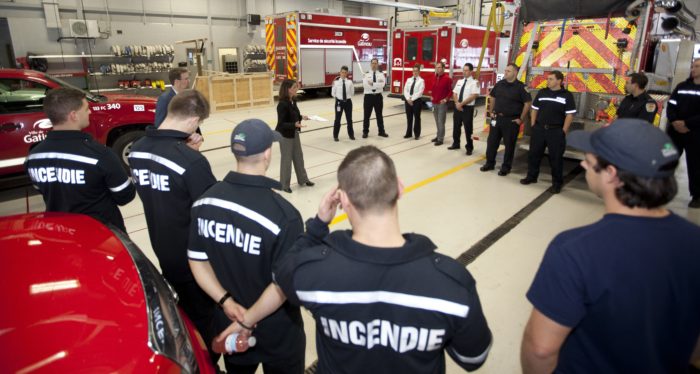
x,y
422,183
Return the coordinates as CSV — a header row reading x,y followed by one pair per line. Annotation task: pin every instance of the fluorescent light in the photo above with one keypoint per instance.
x,y
34,242
53,286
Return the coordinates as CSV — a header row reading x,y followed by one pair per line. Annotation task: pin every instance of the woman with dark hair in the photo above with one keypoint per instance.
x,y
289,125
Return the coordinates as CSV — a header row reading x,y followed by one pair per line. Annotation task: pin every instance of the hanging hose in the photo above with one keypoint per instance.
x,y
496,21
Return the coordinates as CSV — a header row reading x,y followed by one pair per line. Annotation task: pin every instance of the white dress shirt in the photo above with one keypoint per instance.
x,y
371,87
472,88
417,90
337,88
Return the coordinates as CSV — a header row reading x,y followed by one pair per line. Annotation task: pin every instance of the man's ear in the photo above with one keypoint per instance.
x,y
344,200
610,175
400,186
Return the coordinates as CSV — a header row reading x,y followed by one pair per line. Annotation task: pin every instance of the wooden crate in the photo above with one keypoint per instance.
x,y
235,91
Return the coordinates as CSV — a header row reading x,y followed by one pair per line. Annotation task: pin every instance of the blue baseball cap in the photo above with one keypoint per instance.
x,y
251,137
633,145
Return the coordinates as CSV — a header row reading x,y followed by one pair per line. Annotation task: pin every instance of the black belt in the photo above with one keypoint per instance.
x,y
548,127
373,93
343,101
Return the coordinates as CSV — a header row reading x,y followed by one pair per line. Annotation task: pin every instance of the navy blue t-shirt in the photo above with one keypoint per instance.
x,y
629,287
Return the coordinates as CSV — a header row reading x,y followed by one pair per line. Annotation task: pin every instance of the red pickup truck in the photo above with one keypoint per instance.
x,y
116,120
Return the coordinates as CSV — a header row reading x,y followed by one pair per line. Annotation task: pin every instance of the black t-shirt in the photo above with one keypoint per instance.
x,y
169,177
553,106
629,287
510,98
242,227
76,174
384,310
642,107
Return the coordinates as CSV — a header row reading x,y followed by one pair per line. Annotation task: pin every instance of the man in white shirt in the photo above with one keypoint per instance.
x,y
373,84
342,90
413,95
464,95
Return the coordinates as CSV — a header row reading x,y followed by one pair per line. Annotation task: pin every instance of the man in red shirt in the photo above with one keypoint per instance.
x,y
442,91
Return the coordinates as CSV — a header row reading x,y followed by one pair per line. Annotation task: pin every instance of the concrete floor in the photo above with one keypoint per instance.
x,y
448,199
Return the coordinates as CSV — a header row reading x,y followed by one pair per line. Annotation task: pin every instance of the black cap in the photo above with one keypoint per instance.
x,y
633,145
251,137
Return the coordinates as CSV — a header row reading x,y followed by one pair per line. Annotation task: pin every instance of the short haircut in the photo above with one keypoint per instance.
x,y
516,67
345,68
59,102
642,192
368,177
176,73
284,89
440,63
557,74
187,104
419,66
252,159
470,66
374,59
640,79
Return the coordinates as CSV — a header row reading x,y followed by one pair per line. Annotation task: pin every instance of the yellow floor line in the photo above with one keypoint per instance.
x,y
422,183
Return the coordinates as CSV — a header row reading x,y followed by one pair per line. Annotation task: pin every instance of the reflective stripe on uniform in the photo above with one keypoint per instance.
x,y
161,160
63,156
121,186
255,216
387,297
197,255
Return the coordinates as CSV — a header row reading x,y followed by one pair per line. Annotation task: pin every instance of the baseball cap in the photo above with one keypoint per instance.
x,y
251,137
633,145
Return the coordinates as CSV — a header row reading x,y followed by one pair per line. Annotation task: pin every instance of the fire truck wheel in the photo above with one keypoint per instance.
x,y
122,145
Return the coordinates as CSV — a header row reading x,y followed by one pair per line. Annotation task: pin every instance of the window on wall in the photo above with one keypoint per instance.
x,y
428,48
21,96
411,49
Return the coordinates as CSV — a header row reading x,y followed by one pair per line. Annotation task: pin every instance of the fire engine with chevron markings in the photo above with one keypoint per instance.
x,y
311,47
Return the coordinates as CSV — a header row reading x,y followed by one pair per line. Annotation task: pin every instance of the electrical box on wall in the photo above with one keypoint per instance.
x,y
79,28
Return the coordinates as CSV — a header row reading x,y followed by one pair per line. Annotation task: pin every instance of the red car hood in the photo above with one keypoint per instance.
x,y
71,291
138,99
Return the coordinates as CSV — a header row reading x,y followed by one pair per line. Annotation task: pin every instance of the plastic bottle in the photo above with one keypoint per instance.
x,y
235,343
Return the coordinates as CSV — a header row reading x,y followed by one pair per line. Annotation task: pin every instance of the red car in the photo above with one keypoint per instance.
x,y
116,120
80,297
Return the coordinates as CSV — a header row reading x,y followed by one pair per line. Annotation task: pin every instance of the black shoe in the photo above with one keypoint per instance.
x,y
486,168
433,140
287,190
438,143
310,184
352,137
694,203
384,135
503,173
527,181
555,189
407,136
417,137
469,152
336,139
453,146
364,136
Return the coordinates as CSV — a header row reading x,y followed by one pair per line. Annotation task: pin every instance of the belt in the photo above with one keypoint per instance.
x,y
373,93
343,101
507,115
548,127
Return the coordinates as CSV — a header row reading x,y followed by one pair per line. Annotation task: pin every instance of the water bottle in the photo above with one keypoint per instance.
x,y
235,343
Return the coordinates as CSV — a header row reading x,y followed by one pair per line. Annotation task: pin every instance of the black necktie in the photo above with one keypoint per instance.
x,y
412,85
345,94
374,79
461,92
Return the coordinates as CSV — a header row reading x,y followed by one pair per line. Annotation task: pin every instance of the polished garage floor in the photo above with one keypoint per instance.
x,y
447,198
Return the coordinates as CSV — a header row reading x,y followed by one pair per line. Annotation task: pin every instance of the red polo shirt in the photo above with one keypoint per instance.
x,y
442,88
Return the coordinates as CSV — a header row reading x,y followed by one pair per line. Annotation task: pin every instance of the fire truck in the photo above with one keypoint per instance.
x,y
311,47
596,44
452,43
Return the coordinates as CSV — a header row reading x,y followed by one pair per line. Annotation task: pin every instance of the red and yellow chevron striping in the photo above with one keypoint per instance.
x,y
291,46
270,45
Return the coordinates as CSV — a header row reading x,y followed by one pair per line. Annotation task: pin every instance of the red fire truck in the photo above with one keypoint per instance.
x,y
311,47
452,43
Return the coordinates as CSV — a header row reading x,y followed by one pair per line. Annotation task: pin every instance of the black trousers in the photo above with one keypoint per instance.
x,y
507,130
276,367
376,102
464,118
690,144
200,308
413,117
340,107
555,140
